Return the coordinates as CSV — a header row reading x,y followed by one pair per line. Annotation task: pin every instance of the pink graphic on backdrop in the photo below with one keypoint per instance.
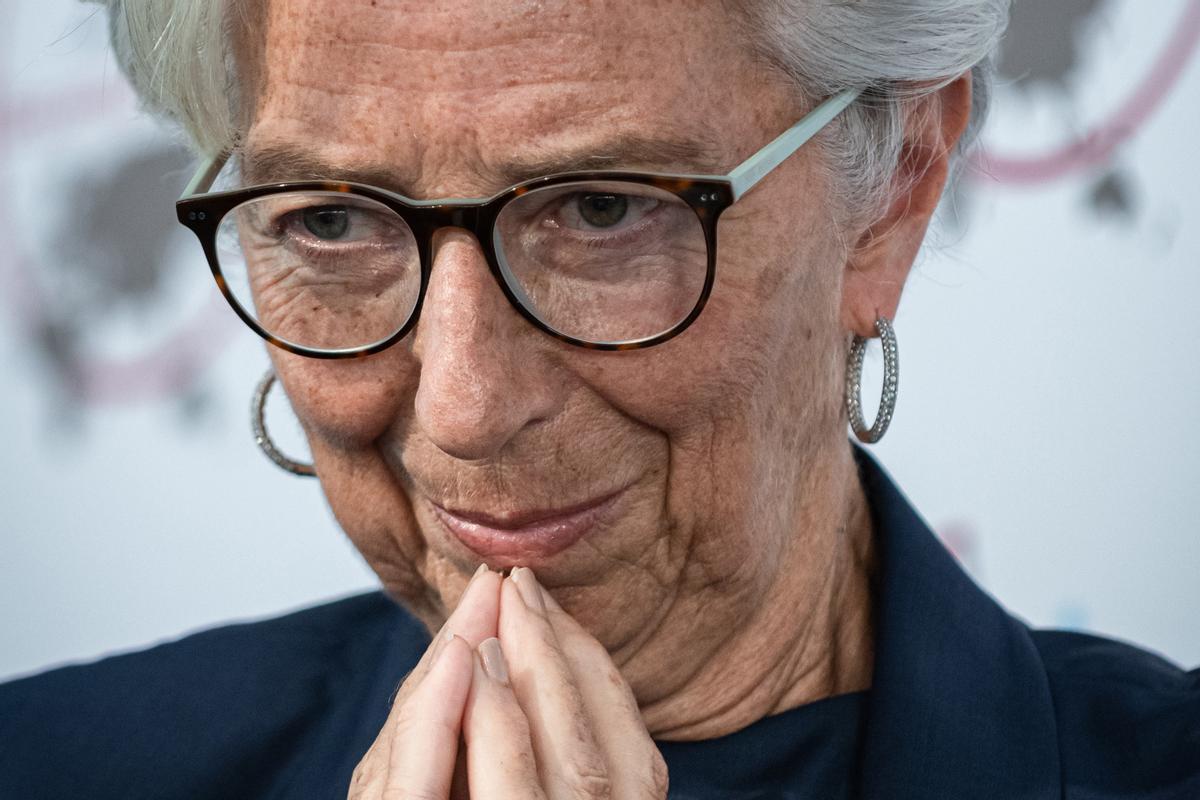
x,y
166,367
1096,147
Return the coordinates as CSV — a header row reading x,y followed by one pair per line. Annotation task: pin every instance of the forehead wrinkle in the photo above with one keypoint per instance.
x,y
436,42
285,161
499,104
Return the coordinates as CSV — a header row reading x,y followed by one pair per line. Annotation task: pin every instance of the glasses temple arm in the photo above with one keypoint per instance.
x,y
205,174
743,177
754,168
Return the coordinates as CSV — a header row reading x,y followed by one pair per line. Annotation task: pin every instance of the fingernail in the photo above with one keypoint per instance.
x,y
442,640
531,593
493,660
482,568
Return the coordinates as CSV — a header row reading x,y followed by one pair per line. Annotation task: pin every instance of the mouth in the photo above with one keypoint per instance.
x,y
526,535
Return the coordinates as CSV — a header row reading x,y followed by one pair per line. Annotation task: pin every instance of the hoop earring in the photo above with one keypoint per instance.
x,y
263,439
891,382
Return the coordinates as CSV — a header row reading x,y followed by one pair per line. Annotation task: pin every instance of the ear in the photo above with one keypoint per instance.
x,y
883,255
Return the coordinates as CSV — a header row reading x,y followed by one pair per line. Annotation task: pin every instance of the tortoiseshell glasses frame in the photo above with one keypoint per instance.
x,y
707,195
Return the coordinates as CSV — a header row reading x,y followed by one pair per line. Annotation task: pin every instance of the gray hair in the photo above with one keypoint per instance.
x,y
178,57
900,51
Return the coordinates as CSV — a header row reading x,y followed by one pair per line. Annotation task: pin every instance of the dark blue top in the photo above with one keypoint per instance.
x,y
966,702
806,752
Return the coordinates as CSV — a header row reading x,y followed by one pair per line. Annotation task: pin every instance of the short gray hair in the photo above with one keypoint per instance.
x,y
178,57
900,51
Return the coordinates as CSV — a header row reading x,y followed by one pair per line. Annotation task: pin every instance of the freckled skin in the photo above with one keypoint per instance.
x,y
732,580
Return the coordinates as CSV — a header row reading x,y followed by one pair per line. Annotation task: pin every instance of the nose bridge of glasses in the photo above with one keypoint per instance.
x,y
454,216
457,240
463,214
476,217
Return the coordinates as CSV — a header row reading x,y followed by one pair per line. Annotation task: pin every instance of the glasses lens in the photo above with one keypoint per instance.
x,y
605,262
323,270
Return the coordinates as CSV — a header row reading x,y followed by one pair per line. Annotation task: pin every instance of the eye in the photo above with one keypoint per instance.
x,y
603,210
326,222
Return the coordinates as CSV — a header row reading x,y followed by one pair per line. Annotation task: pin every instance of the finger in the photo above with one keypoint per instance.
x,y
474,619
500,759
475,615
637,767
415,753
569,760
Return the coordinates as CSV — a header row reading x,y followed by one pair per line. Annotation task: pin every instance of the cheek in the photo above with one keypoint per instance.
x,y
713,371
345,408
347,405
739,391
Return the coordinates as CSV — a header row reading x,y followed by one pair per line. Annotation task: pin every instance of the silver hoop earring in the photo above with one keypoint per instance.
x,y
891,383
262,438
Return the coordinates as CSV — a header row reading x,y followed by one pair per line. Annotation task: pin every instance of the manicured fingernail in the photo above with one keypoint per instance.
x,y
531,593
493,660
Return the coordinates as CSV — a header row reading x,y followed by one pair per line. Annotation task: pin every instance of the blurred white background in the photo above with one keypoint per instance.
x,y
1047,424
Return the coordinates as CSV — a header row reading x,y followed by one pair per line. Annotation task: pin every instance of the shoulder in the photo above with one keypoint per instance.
x,y
1128,719
208,710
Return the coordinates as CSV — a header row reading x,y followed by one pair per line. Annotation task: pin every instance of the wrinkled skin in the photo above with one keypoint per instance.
x,y
731,578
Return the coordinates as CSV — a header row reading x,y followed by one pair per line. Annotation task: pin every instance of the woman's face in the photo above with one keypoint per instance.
x,y
696,463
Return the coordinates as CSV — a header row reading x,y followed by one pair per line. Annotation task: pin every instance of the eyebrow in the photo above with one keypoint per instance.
x,y
281,161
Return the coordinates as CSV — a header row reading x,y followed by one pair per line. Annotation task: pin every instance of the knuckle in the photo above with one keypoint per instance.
x,y
409,726
362,777
657,781
589,781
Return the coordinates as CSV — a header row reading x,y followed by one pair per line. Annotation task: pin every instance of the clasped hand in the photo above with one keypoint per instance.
x,y
542,710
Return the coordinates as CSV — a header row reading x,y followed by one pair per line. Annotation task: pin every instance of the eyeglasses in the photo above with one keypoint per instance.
x,y
604,260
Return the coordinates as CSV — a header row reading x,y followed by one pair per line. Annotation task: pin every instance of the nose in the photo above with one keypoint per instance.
x,y
482,380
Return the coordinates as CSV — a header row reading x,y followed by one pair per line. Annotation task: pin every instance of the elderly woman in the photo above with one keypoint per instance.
x,y
571,301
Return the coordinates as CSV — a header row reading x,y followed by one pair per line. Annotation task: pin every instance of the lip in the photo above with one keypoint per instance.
x,y
528,535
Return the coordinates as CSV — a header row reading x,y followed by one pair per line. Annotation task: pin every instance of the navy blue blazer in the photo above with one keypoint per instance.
x,y
966,701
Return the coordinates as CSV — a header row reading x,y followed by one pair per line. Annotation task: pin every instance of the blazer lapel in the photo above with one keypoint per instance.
x,y
960,705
